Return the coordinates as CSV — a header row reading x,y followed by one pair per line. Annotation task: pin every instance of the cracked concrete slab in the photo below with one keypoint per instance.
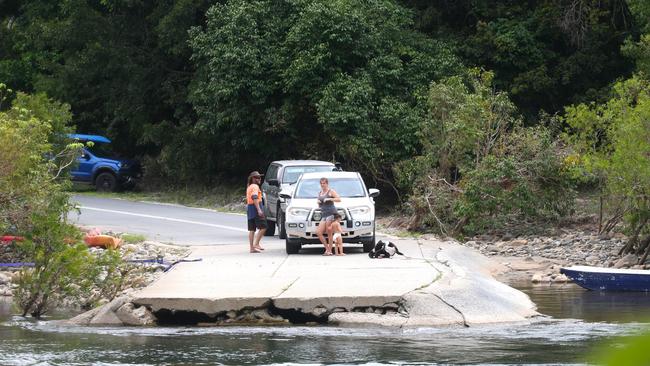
x,y
435,283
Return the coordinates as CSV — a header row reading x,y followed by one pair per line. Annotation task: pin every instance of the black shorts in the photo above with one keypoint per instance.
x,y
257,223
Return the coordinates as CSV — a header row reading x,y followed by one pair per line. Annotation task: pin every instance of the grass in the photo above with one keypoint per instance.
x,y
133,238
220,198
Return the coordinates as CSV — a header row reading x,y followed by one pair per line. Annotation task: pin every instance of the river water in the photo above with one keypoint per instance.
x,y
576,322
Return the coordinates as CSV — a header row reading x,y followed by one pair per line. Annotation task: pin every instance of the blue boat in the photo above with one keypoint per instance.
x,y
609,279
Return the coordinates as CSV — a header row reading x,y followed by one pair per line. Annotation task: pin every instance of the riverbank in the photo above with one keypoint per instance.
x,y
536,254
143,263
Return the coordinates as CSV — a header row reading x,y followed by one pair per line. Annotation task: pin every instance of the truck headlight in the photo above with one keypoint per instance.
x,y
317,216
297,213
359,210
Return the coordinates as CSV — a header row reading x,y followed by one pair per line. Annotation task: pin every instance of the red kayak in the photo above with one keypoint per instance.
x,y
6,239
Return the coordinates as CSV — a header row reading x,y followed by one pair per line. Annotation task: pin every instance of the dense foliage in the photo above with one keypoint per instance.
x,y
612,141
490,166
34,204
204,90
345,78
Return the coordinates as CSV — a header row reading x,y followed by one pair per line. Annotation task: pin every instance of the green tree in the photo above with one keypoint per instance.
x,y
480,166
122,65
612,142
33,202
545,54
322,79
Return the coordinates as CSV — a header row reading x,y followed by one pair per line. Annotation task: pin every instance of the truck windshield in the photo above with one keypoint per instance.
x,y
345,187
101,150
292,173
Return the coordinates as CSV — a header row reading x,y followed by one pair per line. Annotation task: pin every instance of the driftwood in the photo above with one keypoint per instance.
x,y
645,243
635,244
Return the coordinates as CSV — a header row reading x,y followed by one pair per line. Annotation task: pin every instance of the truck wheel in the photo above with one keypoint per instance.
x,y
106,182
369,244
293,246
270,228
282,230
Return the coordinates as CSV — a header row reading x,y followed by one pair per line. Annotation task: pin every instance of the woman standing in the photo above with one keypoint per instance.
x,y
326,198
255,212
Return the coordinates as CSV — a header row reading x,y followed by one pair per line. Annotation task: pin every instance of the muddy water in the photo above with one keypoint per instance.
x,y
577,321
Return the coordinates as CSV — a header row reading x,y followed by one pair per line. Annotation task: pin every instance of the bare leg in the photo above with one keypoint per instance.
x,y
258,237
339,245
330,240
321,229
251,235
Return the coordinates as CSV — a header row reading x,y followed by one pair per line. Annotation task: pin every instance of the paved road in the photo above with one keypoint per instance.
x,y
163,222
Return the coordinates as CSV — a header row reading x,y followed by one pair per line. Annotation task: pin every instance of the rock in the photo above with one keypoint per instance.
x,y
264,315
518,242
103,315
5,278
15,277
106,314
627,261
231,314
130,248
561,279
130,315
537,278
83,319
319,310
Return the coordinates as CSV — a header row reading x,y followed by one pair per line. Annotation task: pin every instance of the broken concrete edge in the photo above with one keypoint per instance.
x,y
464,294
120,311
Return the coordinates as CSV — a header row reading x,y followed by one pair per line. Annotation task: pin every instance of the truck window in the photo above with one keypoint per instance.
x,y
292,173
272,172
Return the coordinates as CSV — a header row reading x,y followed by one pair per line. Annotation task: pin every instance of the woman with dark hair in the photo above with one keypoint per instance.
x,y
326,198
255,212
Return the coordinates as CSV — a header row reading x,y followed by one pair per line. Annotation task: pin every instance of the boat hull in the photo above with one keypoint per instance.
x,y
616,280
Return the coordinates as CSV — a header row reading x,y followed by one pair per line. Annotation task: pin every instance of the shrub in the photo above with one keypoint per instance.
x,y
612,143
480,165
33,203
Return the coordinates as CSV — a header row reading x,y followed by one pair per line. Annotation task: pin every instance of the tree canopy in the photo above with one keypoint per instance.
x,y
202,90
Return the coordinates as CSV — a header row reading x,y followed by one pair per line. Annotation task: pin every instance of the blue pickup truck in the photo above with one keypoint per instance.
x,y
98,166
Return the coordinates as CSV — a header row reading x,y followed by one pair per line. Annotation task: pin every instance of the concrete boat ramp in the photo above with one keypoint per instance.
x,y
435,283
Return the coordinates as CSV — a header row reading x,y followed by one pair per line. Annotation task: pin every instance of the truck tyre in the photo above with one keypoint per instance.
x,y
369,244
293,246
270,228
106,182
282,230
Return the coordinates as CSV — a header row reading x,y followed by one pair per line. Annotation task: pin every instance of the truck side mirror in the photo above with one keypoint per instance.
x,y
273,182
373,192
286,196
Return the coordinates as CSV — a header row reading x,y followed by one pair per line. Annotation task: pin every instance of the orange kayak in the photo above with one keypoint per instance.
x,y
103,241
